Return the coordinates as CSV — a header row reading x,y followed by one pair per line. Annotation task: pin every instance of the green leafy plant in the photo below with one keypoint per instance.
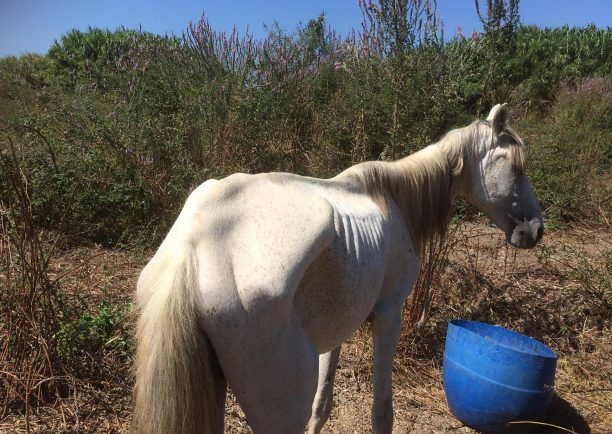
x,y
107,329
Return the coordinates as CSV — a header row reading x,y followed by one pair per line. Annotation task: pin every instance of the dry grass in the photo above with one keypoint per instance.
x,y
558,293
28,368
94,389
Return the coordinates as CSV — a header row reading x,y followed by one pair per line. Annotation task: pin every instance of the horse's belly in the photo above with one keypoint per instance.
x,y
337,294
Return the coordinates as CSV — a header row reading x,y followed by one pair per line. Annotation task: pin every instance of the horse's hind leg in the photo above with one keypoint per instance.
x,y
322,405
220,387
271,367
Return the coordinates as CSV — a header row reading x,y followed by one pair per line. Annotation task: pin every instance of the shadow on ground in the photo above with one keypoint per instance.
x,y
561,414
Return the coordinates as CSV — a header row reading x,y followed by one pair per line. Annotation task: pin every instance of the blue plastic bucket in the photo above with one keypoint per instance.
x,y
493,376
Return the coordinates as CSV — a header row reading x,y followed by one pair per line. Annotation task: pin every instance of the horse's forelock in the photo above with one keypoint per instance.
x,y
516,146
516,152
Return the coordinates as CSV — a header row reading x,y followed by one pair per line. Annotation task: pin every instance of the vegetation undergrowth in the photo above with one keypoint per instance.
x,y
105,329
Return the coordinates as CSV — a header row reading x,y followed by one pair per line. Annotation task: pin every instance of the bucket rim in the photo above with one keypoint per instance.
x,y
546,351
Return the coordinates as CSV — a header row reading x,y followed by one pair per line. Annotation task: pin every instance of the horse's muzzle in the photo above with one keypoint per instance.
x,y
526,234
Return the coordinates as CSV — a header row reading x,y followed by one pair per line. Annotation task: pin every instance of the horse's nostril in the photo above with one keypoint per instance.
x,y
540,233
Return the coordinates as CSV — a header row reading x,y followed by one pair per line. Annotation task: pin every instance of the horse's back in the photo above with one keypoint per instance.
x,y
285,244
289,245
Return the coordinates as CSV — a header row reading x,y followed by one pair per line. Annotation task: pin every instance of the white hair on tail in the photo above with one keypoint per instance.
x,y
176,383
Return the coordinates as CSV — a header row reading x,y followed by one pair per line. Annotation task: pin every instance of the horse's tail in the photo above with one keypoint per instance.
x,y
176,371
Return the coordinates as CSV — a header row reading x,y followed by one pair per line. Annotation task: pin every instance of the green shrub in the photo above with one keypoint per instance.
x,y
114,128
105,330
570,149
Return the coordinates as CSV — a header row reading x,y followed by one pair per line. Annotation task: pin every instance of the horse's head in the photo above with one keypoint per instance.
x,y
498,184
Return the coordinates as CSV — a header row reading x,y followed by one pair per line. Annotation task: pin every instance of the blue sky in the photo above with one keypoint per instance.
x,y
33,25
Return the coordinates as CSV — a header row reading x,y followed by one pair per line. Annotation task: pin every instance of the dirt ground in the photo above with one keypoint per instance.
x,y
558,293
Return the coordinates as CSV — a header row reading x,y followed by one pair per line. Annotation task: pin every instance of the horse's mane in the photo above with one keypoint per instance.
x,y
423,184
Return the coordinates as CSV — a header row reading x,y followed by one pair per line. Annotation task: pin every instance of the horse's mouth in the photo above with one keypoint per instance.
x,y
526,235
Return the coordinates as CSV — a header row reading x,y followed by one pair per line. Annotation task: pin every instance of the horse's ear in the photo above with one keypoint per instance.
x,y
498,116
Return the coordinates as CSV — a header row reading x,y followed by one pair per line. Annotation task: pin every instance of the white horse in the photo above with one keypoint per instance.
x,y
263,277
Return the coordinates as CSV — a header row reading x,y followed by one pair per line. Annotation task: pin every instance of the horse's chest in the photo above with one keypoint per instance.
x,y
340,288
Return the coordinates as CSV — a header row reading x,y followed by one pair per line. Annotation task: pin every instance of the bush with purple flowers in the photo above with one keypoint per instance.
x,y
114,128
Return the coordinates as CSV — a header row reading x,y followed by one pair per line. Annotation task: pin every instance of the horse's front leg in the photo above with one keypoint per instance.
x,y
386,326
322,405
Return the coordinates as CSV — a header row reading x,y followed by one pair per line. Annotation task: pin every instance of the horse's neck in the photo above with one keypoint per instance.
x,y
421,186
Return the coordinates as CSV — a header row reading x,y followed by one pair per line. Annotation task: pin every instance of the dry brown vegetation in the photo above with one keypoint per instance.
x,y
558,293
